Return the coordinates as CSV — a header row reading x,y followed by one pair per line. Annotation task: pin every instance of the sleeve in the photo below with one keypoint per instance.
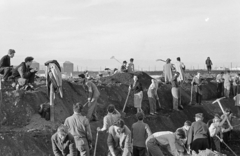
x,y
190,135
55,149
105,124
133,67
90,89
148,130
127,144
72,146
110,144
89,132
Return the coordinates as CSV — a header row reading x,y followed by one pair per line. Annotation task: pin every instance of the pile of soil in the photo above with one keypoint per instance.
x,y
24,132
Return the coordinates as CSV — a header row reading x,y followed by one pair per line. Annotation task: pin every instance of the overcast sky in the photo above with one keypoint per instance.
x,y
79,30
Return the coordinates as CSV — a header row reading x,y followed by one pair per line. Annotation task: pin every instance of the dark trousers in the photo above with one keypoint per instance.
x,y
139,151
235,90
154,148
219,90
200,144
6,71
226,136
198,98
215,143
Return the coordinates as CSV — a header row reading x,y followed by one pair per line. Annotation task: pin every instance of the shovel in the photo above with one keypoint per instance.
x,y
95,147
123,114
227,146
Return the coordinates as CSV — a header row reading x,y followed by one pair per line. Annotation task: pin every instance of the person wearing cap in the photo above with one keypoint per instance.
x,y
140,132
168,71
25,73
226,128
215,130
79,126
131,66
138,93
93,95
180,68
197,83
227,83
5,64
112,116
185,128
63,143
198,136
209,65
166,138
124,67
119,139
175,91
220,81
153,96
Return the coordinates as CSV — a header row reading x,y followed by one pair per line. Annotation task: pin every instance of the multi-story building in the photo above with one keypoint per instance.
x,y
68,67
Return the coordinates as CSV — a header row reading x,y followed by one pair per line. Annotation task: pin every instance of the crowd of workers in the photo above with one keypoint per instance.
x,y
75,136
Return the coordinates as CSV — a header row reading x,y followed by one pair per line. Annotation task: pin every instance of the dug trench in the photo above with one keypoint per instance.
x,y
24,133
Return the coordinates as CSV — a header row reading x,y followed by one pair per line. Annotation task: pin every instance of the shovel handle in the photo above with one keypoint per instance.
x,y
126,100
95,147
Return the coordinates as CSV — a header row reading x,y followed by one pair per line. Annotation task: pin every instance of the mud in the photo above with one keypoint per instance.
x,y
24,133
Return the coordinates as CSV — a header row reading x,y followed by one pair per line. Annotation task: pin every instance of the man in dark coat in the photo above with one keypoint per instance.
x,y
5,64
63,143
24,73
198,136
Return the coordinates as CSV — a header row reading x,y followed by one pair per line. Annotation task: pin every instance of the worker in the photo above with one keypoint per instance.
x,y
153,97
131,66
198,136
138,93
25,74
5,64
197,83
92,98
185,128
180,68
78,125
124,67
168,71
209,65
236,82
112,116
220,81
175,91
63,143
227,83
140,132
172,140
119,139
215,131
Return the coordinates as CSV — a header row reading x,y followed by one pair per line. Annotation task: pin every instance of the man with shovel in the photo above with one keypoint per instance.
x,y
92,98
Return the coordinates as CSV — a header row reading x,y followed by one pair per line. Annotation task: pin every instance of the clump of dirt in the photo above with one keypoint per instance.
x,y
21,121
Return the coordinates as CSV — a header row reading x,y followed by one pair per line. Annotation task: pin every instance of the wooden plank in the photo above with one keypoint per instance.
x,y
52,103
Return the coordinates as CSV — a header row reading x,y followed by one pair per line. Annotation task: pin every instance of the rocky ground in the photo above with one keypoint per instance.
x,y
24,133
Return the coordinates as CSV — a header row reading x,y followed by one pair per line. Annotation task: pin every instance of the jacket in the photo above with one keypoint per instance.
x,y
122,140
66,147
5,61
198,130
208,62
93,90
54,76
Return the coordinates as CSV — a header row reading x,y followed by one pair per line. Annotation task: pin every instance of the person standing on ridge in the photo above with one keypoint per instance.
x,y
92,97
153,97
180,67
175,91
5,64
197,83
168,71
138,93
227,83
209,65
124,67
220,81
131,66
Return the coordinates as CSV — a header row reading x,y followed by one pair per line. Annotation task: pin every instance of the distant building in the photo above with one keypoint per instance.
x,y
35,65
68,67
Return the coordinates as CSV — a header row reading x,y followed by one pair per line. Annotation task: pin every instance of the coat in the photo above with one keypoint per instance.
x,y
66,147
179,66
122,140
54,76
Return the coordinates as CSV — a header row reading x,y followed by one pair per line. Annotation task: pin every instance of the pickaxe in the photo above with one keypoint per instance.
x,y
115,59
218,101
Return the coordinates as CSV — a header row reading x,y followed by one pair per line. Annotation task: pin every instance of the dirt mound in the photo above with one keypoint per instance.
x,y
25,133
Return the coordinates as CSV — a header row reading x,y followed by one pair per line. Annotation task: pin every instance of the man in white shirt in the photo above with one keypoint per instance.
x,y
180,67
166,138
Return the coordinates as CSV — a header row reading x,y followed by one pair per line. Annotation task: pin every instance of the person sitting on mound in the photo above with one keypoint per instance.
x,y
24,74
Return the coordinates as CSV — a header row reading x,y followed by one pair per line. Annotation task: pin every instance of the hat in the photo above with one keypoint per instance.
x,y
181,133
199,115
81,76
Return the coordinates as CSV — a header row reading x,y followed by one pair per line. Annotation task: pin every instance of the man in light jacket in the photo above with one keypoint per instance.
x,y
153,97
119,139
180,67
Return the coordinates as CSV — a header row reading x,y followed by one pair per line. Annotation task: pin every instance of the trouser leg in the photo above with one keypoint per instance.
x,y
153,148
135,151
197,97
152,104
92,110
82,146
